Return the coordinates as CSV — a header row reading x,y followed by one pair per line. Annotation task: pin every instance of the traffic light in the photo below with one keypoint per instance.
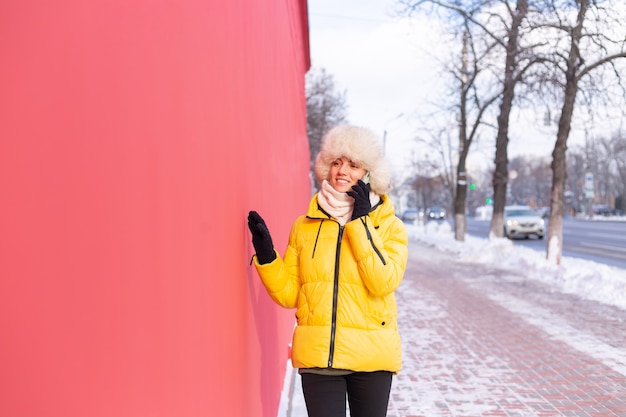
x,y
472,186
488,200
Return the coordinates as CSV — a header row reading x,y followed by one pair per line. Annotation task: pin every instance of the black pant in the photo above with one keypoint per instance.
x,y
368,394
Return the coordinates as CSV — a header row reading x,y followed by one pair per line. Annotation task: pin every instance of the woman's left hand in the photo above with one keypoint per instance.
x,y
361,195
261,238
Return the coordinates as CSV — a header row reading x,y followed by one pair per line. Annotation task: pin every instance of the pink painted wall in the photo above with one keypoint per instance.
x,y
135,135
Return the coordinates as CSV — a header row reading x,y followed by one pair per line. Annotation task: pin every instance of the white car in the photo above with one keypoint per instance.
x,y
522,221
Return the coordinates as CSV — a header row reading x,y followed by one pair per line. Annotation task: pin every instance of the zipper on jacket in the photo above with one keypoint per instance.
x,y
319,229
333,324
369,237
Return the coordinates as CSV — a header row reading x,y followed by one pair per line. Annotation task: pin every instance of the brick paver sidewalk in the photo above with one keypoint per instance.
x,y
477,344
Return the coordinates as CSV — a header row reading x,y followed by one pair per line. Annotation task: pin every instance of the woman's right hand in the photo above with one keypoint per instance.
x,y
261,238
361,195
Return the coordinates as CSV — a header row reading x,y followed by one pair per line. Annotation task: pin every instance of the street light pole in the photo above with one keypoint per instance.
x,y
385,131
385,142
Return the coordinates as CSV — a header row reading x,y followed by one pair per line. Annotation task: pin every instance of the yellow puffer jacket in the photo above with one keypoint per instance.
x,y
342,282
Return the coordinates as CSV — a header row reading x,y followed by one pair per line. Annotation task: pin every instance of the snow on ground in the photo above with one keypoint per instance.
x,y
587,279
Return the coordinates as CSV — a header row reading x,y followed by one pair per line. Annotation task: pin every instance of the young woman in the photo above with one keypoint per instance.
x,y
345,258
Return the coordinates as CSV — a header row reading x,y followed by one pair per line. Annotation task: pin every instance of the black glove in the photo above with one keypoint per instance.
x,y
261,238
361,195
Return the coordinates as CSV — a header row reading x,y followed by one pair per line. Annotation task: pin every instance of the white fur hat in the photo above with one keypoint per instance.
x,y
360,145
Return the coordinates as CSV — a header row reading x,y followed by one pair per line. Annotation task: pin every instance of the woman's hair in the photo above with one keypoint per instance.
x,y
360,145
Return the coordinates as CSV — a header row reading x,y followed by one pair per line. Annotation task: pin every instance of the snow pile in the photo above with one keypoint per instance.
x,y
587,279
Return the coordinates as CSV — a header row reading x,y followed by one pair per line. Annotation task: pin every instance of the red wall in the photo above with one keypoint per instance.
x,y
135,135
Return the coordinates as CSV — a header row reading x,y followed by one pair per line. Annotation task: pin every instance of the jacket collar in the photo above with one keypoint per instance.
x,y
382,210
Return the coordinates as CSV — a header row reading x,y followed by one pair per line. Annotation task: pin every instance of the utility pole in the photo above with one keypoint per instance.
x,y
385,131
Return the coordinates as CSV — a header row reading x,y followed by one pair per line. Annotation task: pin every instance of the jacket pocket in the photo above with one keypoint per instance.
x,y
380,315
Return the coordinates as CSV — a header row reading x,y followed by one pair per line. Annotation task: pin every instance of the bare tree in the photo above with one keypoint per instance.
x,y
326,108
513,72
594,43
471,111
573,39
606,160
618,157
470,106
432,180
503,23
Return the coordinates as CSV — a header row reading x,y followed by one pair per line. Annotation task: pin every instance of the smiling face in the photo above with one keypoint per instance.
x,y
344,173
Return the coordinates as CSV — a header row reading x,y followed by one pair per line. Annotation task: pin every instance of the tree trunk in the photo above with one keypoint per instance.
x,y
460,196
559,173
460,200
501,173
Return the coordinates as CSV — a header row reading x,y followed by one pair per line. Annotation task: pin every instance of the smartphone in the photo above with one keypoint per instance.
x,y
366,178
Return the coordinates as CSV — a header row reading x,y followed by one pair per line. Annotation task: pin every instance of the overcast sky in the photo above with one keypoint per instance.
x,y
387,65
376,59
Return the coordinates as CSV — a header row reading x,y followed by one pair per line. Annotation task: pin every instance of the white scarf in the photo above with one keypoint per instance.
x,y
339,205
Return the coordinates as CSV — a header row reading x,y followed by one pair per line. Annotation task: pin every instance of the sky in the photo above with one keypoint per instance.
x,y
388,67
586,279
376,59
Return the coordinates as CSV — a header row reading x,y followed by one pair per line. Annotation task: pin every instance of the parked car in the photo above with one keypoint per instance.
x,y
435,213
601,210
412,215
522,221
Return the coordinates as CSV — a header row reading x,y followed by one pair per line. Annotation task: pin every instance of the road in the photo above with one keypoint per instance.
x,y
600,241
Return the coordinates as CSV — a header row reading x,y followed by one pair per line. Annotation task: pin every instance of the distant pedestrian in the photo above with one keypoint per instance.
x,y
345,258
